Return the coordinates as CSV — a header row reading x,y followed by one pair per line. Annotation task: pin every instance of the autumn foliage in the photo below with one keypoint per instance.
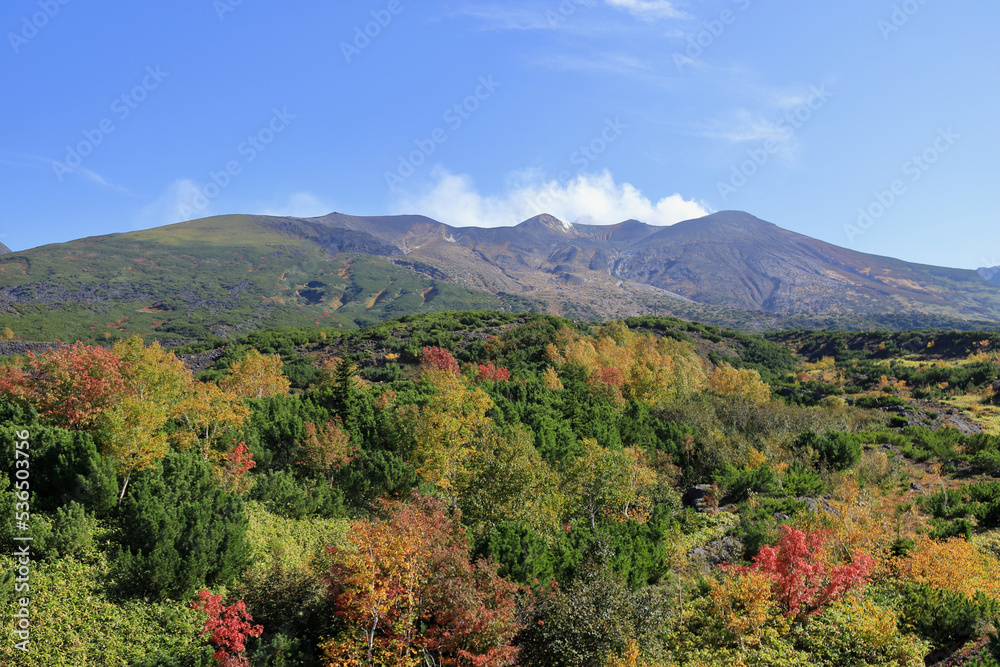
x,y
406,588
802,578
437,359
491,373
227,628
68,386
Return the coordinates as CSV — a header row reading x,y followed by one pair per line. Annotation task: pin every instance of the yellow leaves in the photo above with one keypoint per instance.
x,y
744,382
953,565
621,364
755,459
152,373
610,484
205,416
131,433
447,429
747,609
551,379
256,376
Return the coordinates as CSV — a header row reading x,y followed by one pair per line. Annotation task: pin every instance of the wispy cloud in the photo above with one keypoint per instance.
x,y
38,162
650,9
588,199
507,17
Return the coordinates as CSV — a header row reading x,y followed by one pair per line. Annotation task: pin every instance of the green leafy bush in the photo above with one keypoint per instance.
x,y
179,531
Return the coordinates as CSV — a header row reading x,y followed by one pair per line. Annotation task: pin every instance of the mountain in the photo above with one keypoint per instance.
x,y
729,259
241,272
4,249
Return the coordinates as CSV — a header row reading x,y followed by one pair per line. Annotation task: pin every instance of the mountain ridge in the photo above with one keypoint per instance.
x,y
237,272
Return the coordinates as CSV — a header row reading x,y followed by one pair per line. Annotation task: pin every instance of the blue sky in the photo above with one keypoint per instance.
x,y
871,124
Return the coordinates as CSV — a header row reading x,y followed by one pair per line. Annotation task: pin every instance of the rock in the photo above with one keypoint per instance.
x,y
699,497
727,549
915,487
811,503
780,516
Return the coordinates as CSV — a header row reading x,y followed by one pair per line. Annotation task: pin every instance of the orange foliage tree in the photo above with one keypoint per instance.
x,y
408,594
954,565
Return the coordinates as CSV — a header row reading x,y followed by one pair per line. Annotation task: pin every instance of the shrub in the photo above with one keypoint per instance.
x,y
179,531
835,449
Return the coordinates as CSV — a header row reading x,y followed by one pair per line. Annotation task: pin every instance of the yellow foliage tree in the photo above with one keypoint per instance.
x,y
205,416
448,431
155,381
609,484
744,382
624,365
746,607
256,376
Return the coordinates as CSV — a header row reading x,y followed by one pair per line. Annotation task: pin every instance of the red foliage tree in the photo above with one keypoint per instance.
x,y
68,386
229,628
492,373
803,580
438,359
235,464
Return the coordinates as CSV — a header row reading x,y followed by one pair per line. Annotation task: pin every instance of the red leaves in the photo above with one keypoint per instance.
x,y
439,359
802,579
235,464
492,373
229,627
69,386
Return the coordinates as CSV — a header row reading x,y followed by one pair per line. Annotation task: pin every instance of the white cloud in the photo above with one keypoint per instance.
x,y
182,200
650,9
587,198
299,205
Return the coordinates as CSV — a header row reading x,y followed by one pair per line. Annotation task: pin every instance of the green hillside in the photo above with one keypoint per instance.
x,y
212,277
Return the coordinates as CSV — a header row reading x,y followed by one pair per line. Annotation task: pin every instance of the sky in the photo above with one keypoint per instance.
x,y
870,124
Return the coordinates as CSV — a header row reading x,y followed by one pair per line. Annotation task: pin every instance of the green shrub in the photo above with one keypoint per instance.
x,y
942,617
281,493
835,449
70,532
179,531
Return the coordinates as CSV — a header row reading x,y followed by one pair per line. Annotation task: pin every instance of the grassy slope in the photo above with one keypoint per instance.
x,y
214,276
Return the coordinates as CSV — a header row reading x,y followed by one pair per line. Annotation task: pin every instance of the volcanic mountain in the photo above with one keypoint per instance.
x,y
241,272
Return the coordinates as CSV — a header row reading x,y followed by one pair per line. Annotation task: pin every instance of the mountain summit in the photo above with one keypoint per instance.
x,y
241,272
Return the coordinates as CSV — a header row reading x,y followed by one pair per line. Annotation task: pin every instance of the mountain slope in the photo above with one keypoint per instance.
x,y
734,259
241,272
216,275
729,259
